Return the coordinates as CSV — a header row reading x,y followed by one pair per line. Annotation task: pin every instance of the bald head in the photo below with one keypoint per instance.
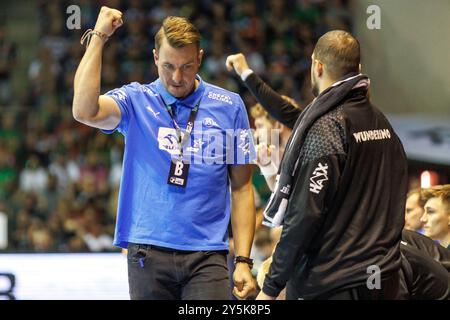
x,y
339,51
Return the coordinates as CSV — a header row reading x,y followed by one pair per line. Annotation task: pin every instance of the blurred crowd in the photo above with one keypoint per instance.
x,y
59,179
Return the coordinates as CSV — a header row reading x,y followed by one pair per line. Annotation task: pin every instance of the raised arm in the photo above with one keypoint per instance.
x,y
278,108
89,107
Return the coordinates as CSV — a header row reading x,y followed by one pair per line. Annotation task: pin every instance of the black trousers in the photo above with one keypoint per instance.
x,y
389,290
156,273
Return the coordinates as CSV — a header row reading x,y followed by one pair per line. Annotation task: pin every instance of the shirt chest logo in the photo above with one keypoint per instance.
x,y
152,111
209,123
168,140
220,97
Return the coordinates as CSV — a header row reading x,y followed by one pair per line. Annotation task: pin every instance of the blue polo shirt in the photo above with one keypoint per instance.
x,y
150,211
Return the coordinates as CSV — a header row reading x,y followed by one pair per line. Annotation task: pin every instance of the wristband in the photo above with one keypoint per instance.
x,y
245,74
244,260
269,170
88,34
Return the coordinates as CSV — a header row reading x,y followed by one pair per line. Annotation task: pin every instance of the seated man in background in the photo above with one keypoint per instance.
x,y
421,277
427,246
414,211
436,217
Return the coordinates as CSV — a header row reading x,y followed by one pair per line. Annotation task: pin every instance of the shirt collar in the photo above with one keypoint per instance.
x,y
190,101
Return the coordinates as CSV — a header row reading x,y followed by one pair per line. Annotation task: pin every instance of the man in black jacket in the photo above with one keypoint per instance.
x,y
341,189
422,277
428,247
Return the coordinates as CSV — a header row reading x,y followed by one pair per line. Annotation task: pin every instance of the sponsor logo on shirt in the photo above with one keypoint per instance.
x,y
220,97
370,135
319,176
209,122
152,111
168,141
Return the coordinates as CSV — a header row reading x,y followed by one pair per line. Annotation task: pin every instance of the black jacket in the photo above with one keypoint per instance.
x,y
428,246
346,210
421,277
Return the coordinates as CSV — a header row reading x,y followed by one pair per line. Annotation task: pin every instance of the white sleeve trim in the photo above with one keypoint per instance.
x,y
245,74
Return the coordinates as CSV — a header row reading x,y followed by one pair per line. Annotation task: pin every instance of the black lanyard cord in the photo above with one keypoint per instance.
x,y
189,127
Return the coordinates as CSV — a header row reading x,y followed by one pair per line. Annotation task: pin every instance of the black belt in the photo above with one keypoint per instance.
x,y
172,250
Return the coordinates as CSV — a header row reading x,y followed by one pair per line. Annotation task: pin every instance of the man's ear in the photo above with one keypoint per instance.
x,y
200,56
155,57
319,68
360,68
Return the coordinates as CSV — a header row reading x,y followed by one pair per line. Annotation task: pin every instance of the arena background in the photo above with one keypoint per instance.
x,y
59,179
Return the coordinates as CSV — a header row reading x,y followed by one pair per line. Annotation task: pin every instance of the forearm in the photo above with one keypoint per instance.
x,y
243,219
269,172
87,81
280,109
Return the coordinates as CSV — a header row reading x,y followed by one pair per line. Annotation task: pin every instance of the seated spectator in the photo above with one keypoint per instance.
x,y
436,217
421,277
414,211
428,246
33,177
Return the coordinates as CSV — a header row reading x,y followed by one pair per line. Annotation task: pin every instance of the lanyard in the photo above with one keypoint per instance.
x,y
189,127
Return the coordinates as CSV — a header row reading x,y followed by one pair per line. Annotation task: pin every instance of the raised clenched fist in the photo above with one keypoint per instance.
x,y
108,20
237,62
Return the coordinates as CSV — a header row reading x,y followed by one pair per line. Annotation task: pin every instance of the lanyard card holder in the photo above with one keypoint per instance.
x,y
178,173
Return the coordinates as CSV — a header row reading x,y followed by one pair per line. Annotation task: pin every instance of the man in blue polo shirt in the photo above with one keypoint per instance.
x,y
187,152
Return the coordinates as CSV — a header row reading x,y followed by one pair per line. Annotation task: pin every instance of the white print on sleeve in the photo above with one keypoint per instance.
x,y
119,94
319,176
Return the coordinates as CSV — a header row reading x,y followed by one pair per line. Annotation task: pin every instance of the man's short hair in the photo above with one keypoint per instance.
x,y
257,111
418,192
441,191
339,51
179,33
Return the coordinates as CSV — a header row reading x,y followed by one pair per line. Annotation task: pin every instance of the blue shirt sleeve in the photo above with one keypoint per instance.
x,y
244,148
122,97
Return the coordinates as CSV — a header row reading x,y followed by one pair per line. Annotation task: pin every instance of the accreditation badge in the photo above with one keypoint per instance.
x,y
178,173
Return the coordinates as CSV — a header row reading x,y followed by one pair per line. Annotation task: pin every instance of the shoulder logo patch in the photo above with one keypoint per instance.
x,y
319,176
